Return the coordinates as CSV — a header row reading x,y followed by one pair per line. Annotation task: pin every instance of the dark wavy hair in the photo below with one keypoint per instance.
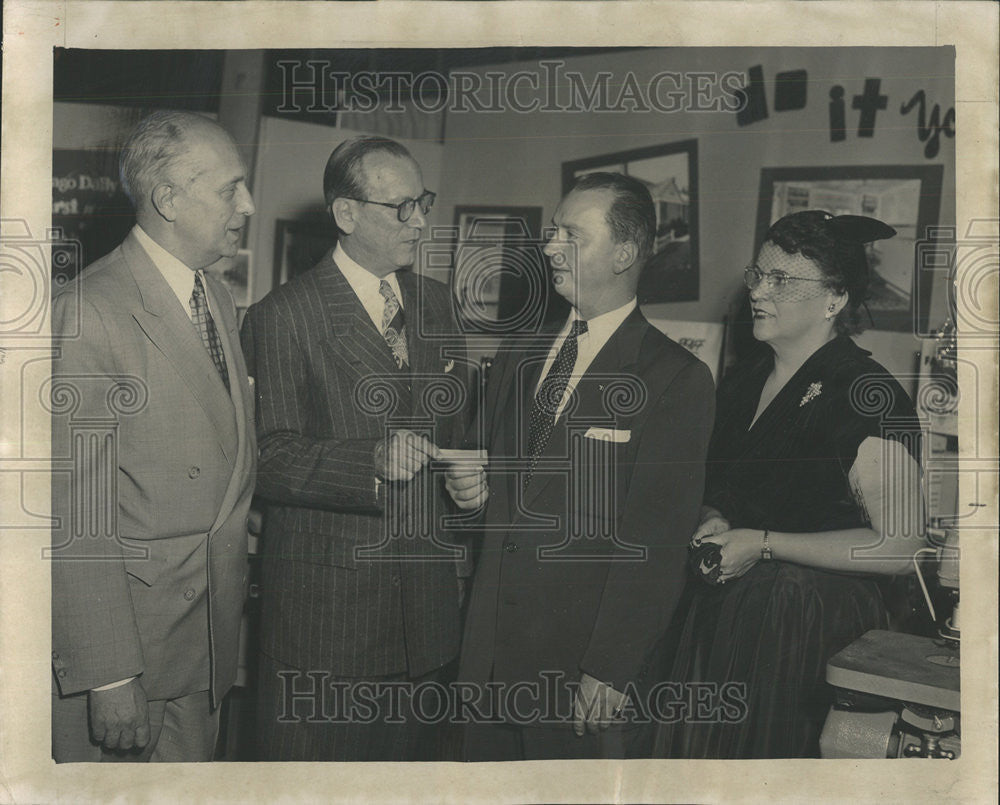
x,y
836,244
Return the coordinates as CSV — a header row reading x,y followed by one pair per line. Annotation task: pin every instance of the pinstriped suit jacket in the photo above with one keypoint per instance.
x,y
159,589
337,596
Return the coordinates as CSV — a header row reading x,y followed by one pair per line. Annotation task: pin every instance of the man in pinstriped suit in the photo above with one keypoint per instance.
x,y
360,593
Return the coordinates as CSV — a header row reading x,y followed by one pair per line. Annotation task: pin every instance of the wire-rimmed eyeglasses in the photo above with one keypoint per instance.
x,y
405,208
775,280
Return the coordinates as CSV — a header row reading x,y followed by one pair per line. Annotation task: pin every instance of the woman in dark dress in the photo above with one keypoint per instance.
x,y
812,498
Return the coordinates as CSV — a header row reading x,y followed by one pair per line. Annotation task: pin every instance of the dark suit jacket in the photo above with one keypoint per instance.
x,y
552,592
159,592
336,594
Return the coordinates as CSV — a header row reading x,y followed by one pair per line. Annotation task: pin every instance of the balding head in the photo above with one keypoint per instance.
x,y
156,152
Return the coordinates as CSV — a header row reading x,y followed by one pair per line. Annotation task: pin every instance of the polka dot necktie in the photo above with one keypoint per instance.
x,y
543,411
393,326
203,321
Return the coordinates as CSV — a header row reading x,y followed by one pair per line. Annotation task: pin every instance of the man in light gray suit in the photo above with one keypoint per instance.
x,y
360,380
152,404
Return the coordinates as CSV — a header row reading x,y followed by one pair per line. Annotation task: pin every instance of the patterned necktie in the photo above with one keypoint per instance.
x,y
202,319
543,412
393,326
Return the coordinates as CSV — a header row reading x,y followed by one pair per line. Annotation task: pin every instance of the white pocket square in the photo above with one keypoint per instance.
x,y
449,366
609,434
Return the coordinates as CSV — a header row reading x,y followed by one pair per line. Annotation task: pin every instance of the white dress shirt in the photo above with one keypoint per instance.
x,y
365,285
599,330
179,276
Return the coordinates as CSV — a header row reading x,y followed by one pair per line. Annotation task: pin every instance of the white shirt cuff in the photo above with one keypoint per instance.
x,y
117,684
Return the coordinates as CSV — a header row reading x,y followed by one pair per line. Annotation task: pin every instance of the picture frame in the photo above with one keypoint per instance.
x,y
499,275
670,171
236,273
906,197
299,244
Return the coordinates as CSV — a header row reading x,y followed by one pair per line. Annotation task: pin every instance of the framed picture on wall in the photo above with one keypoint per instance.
x,y
500,280
670,172
299,245
236,273
906,197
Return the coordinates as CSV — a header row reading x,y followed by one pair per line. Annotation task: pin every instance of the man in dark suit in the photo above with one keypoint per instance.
x,y
153,408
360,381
597,436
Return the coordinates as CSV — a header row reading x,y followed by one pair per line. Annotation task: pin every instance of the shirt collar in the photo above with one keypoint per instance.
x,y
364,284
601,327
179,277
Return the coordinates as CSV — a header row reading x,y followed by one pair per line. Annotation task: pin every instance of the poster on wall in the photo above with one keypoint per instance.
x,y
670,172
90,213
236,273
906,197
703,339
299,245
499,276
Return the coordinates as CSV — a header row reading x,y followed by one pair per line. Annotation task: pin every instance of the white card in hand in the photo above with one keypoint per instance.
x,y
446,456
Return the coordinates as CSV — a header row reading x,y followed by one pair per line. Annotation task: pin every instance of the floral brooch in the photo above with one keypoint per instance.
x,y
814,390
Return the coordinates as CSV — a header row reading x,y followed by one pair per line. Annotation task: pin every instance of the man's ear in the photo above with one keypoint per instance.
x,y
163,199
625,256
342,212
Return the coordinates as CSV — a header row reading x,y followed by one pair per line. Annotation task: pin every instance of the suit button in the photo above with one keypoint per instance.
x,y
189,594
194,472
61,673
395,581
510,547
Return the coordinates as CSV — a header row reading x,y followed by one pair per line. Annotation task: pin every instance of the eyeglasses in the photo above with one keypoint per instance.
x,y
776,281
404,210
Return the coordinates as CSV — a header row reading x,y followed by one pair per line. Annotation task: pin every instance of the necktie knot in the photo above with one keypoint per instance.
x,y
578,328
385,289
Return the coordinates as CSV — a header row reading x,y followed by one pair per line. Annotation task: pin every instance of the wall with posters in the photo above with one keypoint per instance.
x,y
828,109
88,205
805,107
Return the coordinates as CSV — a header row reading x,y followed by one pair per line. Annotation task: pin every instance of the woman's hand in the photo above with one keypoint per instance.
x,y
740,551
712,522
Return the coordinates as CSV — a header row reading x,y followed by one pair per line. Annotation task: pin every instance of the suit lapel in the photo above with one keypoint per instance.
x,y
351,332
524,379
618,357
170,330
226,324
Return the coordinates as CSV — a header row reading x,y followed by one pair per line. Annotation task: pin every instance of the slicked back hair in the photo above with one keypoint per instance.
x,y
344,176
631,215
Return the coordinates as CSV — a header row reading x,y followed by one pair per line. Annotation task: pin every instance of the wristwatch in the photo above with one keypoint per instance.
x,y
765,549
